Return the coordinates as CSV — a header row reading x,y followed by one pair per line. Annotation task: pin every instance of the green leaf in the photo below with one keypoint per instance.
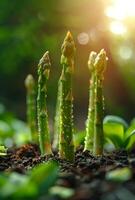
x,y
5,130
3,151
79,138
115,133
17,186
2,180
132,123
62,192
129,130
114,130
129,136
119,175
116,120
44,176
130,140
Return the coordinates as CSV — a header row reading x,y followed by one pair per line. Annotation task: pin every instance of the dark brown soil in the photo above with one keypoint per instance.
x,y
86,176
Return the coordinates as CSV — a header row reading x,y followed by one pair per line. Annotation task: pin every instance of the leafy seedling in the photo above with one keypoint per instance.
x,y
118,132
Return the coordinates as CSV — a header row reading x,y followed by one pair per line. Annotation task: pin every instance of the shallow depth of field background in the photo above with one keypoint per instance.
x,y
28,28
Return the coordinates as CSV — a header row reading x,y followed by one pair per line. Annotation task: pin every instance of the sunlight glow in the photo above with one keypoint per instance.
x,y
121,9
125,52
83,38
117,28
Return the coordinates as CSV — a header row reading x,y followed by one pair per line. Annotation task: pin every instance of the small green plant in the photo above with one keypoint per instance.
x,y
94,128
118,132
66,146
31,107
43,127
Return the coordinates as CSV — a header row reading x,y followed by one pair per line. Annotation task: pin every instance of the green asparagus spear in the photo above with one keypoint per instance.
x,y
100,66
43,127
91,111
57,118
66,146
31,107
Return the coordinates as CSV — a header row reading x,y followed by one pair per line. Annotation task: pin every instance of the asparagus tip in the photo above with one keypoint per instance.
x,y
102,53
69,36
68,46
29,81
101,61
45,60
91,60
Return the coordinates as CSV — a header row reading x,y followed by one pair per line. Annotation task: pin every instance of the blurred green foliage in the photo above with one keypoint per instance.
x,y
35,184
119,175
12,130
29,28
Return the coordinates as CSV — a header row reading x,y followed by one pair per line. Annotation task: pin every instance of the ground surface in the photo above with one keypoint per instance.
x,y
86,176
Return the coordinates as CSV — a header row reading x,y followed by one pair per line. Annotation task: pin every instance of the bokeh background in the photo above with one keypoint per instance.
x,y
28,28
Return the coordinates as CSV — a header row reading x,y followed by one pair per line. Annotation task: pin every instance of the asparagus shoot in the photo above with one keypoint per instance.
x,y
66,146
100,66
31,107
43,127
91,109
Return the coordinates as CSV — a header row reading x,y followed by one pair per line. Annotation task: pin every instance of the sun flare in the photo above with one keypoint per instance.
x,y
117,27
120,9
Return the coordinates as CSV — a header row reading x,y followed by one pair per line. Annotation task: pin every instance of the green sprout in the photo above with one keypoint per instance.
x,y
66,146
57,117
119,133
31,107
94,126
91,109
100,66
43,124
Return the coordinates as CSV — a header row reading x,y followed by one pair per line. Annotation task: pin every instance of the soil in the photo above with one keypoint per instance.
x,y
86,176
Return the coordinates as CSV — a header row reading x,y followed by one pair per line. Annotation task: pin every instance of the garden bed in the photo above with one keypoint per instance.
x,y
88,177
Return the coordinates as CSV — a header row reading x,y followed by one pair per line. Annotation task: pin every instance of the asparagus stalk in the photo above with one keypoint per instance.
x,y
100,66
91,111
43,127
66,146
57,118
31,107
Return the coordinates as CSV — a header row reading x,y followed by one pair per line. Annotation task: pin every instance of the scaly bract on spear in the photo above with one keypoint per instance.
x,y
31,107
43,127
66,146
